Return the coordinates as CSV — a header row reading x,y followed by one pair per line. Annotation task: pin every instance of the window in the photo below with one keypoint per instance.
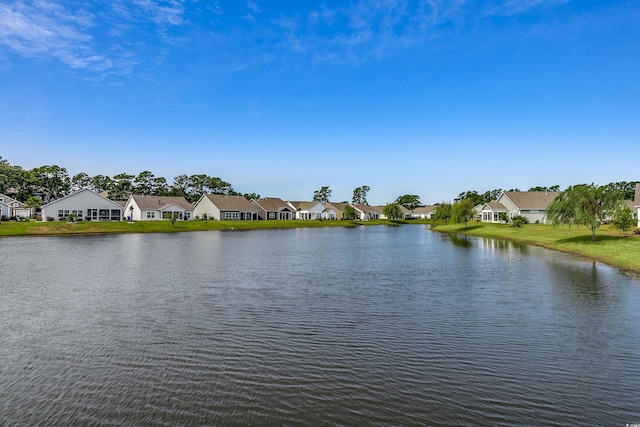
x,y
272,215
151,215
231,215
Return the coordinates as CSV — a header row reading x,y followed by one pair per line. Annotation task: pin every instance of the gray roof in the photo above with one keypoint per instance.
x,y
231,203
424,210
494,206
636,197
156,203
303,206
272,204
531,199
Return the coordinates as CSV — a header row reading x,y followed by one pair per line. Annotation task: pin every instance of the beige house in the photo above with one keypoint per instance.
x,y
270,208
530,204
334,210
424,212
152,208
16,208
222,207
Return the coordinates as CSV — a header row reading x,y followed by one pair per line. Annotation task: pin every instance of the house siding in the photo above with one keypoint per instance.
x,y
91,205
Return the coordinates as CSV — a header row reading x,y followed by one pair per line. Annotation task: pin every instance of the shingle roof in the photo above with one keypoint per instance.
x,y
636,197
231,203
272,204
151,203
531,199
303,206
495,206
424,210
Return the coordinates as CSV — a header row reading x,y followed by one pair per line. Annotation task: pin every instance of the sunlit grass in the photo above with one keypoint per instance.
x,y
33,228
611,247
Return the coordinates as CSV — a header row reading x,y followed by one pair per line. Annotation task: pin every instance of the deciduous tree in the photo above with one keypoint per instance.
x,y
583,205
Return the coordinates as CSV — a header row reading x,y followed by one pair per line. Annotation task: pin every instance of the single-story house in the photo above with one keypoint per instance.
x,y
334,210
493,212
366,212
308,210
85,204
273,208
149,208
223,207
5,210
16,208
529,204
424,212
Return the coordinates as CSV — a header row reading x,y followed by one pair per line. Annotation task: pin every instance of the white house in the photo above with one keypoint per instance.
x,y
150,208
424,212
85,204
16,208
308,210
223,207
530,204
4,210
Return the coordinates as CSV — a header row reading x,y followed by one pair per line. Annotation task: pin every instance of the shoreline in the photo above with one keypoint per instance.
x,y
611,249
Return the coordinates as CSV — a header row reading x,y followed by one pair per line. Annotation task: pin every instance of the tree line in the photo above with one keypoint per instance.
x,y
51,182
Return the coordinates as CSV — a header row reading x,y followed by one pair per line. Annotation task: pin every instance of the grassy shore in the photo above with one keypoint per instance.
x,y
59,228
611,247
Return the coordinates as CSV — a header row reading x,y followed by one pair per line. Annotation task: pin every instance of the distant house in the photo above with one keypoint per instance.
x,y
493,212
85,204
334,210
222,207
308,210
366,212
5,210
424,212
530,204
153,208
270,208
16,208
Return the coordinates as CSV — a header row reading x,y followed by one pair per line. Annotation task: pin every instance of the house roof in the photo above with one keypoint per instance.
x,y
367,209
339,206
636,197
10,200
156,203
231,203
424,210
272,204
531,199
304,206
53,202
494,206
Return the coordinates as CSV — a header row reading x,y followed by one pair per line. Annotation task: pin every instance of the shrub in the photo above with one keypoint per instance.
x,y
519,221
49,218
636,231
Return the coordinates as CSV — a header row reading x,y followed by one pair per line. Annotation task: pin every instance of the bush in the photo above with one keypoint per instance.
x,y
49,218
636,231
4,218
519,221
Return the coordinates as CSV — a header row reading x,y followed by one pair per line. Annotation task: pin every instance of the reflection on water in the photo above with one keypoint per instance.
x,y
354,326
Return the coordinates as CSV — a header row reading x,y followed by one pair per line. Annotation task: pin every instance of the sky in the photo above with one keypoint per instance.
x,y
280,98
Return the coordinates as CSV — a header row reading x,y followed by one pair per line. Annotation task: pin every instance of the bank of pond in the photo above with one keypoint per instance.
x,y
611,247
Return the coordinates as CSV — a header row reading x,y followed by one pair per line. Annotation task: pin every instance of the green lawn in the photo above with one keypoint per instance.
x,y
622,251
33,228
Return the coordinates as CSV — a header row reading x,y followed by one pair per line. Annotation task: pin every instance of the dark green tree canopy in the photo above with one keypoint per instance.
x,y
409,201
322,195
360,195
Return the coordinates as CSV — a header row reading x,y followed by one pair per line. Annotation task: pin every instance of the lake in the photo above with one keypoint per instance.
x,y
375,325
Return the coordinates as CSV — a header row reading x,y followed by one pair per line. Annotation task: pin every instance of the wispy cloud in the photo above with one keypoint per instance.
x,y
96,40
44,29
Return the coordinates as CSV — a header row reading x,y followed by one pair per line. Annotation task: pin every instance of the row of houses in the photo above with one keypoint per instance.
x,y
87,204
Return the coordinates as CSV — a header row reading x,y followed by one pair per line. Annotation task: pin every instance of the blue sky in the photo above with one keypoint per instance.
x,y
280,98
